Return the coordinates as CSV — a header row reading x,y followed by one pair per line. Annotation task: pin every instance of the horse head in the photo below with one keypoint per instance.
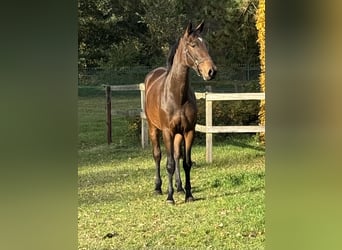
x,y
196,52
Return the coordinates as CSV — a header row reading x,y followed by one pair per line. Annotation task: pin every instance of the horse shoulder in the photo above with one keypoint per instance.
x,y
192,98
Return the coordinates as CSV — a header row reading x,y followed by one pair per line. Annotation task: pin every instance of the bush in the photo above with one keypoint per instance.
x,y
228,113
134,126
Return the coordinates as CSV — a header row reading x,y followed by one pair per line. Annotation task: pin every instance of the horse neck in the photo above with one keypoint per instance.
x,y
177,81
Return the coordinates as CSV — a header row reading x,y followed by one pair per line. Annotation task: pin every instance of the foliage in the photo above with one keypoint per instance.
x,y
233,33
232,113
103,24
164,20
260,24
124,53
143,30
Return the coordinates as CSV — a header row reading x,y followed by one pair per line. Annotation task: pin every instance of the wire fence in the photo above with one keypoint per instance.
x,y
136,74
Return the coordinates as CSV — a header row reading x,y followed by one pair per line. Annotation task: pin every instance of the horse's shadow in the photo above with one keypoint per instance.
x,y
200,197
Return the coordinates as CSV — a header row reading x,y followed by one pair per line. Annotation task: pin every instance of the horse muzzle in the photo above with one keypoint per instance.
x,y
208,70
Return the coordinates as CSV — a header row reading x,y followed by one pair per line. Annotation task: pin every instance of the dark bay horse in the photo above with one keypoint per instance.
x,y
171,106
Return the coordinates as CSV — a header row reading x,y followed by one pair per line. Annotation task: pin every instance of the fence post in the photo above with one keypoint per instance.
x,y
109,114
208,136
144,128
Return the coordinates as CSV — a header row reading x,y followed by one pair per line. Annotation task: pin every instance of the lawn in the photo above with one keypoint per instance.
x,y
117,206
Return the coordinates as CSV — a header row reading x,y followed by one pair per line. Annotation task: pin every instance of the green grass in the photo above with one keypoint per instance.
x,y
116,185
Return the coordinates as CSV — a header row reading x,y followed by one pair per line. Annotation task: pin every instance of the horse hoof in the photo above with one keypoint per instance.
x,y
171,202
190,199
158,192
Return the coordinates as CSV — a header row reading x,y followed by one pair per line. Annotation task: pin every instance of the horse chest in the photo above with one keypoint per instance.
x,y
179,122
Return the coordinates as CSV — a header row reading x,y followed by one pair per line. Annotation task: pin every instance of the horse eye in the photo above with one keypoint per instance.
x,y
192,44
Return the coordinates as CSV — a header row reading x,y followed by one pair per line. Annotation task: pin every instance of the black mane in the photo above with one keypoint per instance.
x,y
171,55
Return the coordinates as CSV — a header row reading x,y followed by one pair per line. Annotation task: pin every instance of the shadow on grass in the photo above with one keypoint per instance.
x,y
239,192
244,144
198,195
105,154
113,185
115,179
249,141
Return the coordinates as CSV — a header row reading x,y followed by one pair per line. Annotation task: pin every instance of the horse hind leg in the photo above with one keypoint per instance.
x,y
187,163
177,155
154,136
168,138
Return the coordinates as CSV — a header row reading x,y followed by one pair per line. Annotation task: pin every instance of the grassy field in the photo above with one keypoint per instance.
x,y
116,185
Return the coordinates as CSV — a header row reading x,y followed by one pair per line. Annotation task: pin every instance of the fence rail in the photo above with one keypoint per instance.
x,y
208,128
131,87
229,129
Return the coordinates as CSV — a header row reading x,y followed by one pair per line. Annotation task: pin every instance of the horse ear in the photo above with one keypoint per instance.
x,y
200,27
188,29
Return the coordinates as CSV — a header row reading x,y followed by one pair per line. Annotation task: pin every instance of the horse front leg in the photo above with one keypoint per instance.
x,y
170,163
154,136
177,154
187,163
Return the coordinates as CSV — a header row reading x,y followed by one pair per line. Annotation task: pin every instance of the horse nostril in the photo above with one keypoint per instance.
x,y
212,73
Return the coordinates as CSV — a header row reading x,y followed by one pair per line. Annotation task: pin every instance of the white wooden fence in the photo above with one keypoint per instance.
x,y
208,128
132,87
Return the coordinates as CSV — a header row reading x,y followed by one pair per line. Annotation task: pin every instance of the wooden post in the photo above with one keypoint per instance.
x,y
208,88
144,128
208,136
109,115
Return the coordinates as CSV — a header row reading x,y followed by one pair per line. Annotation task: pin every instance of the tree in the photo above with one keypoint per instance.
x,y
103,24
260,25
234,38
118,32
165,21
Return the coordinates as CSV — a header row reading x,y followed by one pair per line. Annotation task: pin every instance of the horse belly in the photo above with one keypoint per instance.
x,y
152,115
